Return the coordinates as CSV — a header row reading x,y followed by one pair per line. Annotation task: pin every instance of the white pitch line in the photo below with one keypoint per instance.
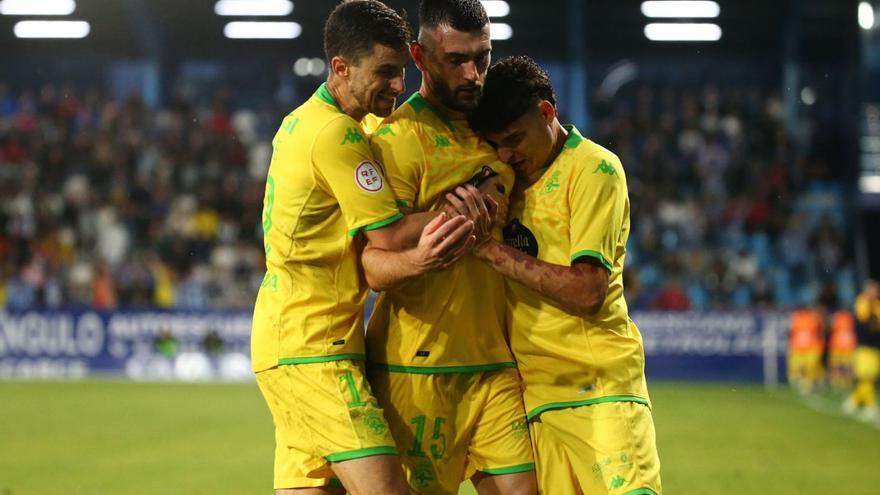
x,y
830,407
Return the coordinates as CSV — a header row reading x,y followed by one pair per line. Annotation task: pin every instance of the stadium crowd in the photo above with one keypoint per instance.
x,y
107,203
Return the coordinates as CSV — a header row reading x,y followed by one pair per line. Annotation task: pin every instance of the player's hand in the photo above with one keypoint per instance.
x,y
467,200
494,188
443,242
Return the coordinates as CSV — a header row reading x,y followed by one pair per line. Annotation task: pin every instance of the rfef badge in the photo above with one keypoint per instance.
x,y
368,177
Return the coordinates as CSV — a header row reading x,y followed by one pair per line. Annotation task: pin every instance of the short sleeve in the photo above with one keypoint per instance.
x,y
400,153
599,205
345,167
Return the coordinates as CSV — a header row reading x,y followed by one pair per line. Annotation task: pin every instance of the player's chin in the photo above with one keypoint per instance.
x,y
467,102
382,107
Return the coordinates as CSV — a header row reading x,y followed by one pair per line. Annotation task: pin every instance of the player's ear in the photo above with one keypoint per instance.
x,y
417,52
548,111
339,67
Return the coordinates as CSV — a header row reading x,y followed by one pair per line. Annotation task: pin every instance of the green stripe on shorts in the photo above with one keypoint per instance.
x,y
641,491
357,454
512,469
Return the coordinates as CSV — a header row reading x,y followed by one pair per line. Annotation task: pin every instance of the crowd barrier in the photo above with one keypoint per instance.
x,y
82,343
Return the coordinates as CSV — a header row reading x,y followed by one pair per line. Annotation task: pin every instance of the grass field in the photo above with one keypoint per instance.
x,y
107,437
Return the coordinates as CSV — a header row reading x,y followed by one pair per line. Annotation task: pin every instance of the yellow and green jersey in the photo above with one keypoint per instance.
x,y
577,208
323,188
451,320
370,123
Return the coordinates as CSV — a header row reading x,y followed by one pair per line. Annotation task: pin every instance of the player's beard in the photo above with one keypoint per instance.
x,y
451,99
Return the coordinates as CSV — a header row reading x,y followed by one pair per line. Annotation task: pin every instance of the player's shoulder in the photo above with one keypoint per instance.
x,y
593,161
340,129
403,119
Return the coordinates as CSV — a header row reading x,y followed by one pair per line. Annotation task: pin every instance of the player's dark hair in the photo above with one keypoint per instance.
x,y
462,15
354,26
513,86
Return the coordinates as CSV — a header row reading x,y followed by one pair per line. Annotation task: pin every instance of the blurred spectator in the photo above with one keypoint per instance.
x,y
112,204
723,199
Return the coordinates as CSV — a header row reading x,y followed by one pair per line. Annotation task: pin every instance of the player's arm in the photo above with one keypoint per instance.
x,y
420,242
441,243
598,205
579,289
344,166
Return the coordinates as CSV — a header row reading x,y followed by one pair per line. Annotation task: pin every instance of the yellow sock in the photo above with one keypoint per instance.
x,y
865,394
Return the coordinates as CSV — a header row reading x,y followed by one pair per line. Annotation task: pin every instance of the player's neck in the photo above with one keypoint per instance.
x,y
341,94
559,136
449,113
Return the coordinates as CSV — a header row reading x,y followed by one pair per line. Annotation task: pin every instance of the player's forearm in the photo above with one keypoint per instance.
x,y
570,287
406,231
384,269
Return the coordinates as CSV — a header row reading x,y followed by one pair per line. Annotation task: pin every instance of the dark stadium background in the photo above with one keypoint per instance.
x,y
130,255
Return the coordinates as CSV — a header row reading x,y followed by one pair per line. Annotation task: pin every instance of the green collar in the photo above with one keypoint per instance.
x,y
419,103
572,141
574,137
324,94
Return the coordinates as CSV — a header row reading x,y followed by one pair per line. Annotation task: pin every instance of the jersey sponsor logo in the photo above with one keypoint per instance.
x,y
605,168
368,177
352,136
518,236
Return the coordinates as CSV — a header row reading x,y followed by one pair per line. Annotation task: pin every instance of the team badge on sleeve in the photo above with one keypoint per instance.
x,y
368,177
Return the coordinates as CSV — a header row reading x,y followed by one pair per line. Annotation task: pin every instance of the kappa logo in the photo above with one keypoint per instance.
x,y
605,168
368,177
440,141
291,125
352,136
385,130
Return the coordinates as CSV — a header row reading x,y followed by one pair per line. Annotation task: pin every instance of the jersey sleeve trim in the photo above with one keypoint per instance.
x,y
434,370
357,454
589,402
592,254
376,225
321,359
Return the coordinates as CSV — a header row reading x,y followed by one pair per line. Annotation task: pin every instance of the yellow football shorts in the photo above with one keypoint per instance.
x,y
608,448
804,365
867,365
450,425
323,412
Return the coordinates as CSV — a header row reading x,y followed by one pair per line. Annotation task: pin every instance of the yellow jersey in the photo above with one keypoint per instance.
x,y
577,208
453,320
323,188
867,314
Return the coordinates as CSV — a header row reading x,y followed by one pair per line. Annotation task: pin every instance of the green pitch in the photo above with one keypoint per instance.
x,y
107,437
